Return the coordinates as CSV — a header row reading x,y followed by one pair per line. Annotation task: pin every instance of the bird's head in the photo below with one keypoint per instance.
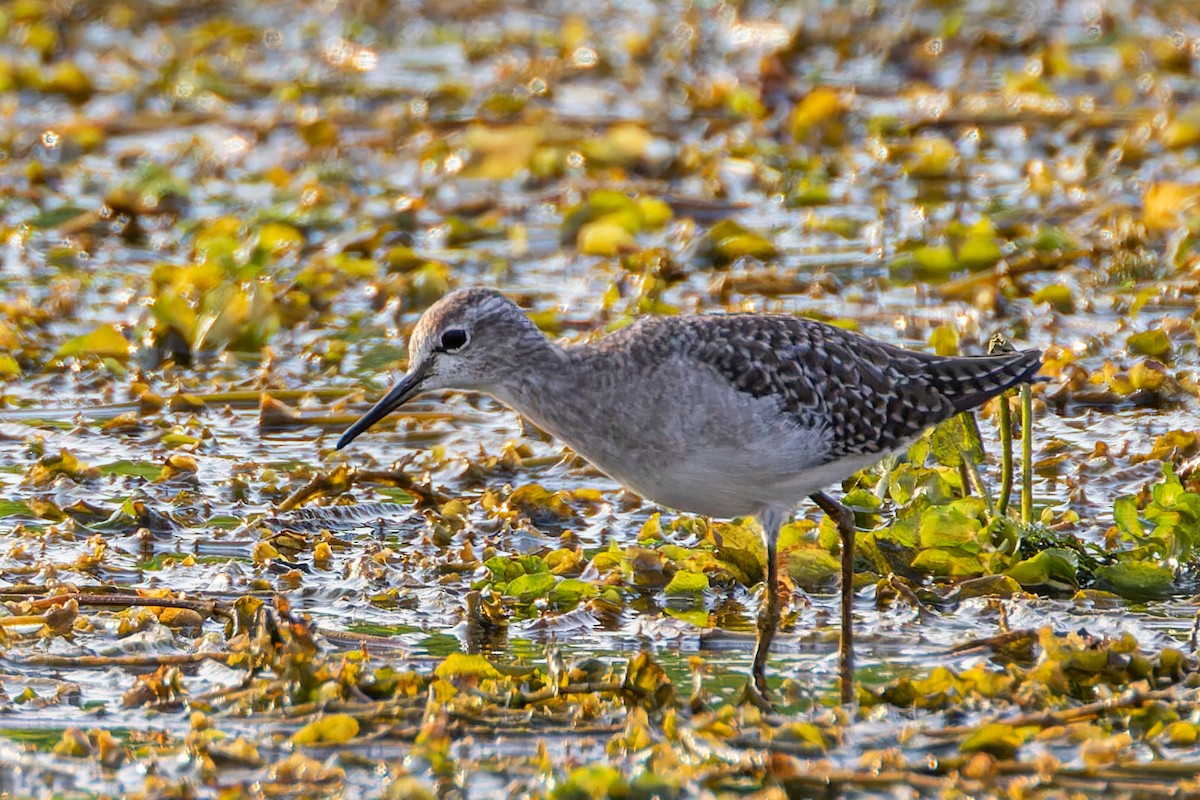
x,y
471,339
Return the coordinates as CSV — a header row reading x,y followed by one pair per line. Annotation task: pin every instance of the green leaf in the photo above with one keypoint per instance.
x,y
1125,513
568,592
952,525
728,241
1175,513
375,629
1053,568
507,568
138,469
742,548
980,250
687,582
530,587
1058,296
594,782
13,508
955,437
1050,238
55,217
395,495
1136,580
1153,343
905,528
697,616
929,261
948,562
997,739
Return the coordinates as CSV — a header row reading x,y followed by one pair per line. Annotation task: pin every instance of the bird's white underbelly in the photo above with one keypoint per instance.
x,y
683,437
723,485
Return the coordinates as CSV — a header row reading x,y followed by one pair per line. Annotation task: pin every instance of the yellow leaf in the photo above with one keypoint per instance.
x,y
944,340
932,157
181,619
71,80
318,133
1104,750
604,238
330,729
173,311
500,153
655,212
541,505
817,107
979,251
461,665
1148,375
8,337
1183,131
277,237
408,787
621,145
263,552
728,241
741,547
808,735
934,260
811,568
1165,203
105,341
229,311
9,368
1180,734
74,744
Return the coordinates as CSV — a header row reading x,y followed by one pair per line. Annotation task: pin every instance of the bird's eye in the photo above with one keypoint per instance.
x,y
454,340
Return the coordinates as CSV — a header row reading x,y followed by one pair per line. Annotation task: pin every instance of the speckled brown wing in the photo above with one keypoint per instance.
x,y
900,393
872,397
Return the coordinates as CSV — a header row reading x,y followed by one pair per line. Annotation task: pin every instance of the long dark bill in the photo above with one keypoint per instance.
x,y
408,386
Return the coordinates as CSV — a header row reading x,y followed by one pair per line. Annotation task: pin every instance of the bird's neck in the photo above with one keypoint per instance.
x,y
550,389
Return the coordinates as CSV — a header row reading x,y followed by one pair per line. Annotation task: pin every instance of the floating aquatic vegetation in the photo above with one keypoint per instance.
x,y
218,227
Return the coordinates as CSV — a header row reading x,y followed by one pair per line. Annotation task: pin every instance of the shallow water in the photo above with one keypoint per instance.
x,y
466,133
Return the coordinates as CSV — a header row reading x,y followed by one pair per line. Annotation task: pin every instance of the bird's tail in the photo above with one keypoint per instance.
x,y
971,381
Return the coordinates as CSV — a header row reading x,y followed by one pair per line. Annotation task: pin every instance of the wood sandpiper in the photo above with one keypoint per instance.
x,y
725,415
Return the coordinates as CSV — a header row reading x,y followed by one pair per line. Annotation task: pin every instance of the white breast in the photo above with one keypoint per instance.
x,y
684,438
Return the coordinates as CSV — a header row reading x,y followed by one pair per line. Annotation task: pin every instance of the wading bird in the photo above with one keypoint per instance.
x,y
725,415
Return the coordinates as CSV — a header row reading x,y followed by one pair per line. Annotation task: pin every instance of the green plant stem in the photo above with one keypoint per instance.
x,y
1027,454
1006,457
996,345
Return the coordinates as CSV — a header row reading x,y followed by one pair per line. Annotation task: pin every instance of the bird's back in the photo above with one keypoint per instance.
x,y
872,396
